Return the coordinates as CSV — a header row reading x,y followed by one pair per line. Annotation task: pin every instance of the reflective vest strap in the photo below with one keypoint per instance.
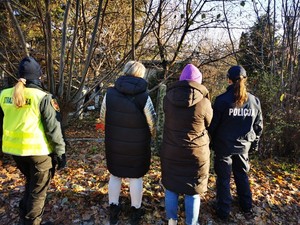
x,y
16,134
22,149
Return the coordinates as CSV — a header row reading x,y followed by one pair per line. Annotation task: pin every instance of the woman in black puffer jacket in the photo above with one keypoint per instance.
x,y
129,117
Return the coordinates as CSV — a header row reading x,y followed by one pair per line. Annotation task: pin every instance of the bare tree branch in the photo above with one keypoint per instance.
x,y
17,27
62,51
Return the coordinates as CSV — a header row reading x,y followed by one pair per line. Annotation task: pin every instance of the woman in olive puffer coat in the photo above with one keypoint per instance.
x,y
185,154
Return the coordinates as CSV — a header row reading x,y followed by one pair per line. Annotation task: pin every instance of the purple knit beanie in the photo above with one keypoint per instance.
x,y
191,73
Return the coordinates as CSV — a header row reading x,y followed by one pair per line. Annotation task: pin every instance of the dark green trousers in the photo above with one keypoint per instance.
x,y
38,173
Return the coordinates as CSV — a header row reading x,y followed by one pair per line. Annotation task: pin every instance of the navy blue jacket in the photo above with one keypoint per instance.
x,y
235,130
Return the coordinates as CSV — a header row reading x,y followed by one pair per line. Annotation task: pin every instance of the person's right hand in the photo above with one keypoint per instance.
x,y
254,147
61,161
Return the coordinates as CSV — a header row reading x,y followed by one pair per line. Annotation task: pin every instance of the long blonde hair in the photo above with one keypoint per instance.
x,y
240,91
18,94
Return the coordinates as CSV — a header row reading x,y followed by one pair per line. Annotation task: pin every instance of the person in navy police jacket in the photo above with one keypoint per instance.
x,y
235,130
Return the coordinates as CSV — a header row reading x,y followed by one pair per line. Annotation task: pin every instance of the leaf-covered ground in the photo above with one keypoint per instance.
x,y
78,194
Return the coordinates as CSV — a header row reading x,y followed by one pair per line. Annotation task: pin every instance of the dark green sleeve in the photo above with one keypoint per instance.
x,y
1,122
1,128
51,121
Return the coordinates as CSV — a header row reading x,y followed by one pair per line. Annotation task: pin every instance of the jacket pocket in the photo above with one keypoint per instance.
x,y
43,163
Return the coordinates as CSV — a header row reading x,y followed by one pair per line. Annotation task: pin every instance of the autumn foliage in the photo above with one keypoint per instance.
x,y
78,194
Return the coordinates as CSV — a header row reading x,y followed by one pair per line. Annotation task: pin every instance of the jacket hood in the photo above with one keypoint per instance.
x,y
186,93
131,85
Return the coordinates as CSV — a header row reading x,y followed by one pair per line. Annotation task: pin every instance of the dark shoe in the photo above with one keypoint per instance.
x,y
48,223
223,217
21,213
114,213
21,222
36,221
226,219
220,213
249,214
214,205
135,215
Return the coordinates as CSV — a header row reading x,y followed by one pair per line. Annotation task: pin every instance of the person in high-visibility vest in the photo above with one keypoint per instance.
x,y
31,132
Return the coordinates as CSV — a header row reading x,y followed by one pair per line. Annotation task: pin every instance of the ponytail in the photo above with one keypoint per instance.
x,y
240,91
18,94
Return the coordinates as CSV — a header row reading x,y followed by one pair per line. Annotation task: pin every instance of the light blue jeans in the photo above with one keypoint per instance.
x,y
191,203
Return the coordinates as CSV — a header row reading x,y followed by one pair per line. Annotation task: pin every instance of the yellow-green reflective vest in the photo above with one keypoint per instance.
x,y
23,131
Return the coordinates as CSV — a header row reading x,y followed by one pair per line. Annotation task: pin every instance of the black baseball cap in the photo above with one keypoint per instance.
x,y
29,69
235,73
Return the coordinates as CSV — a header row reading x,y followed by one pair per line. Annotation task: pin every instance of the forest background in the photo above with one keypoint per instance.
x,y
83,45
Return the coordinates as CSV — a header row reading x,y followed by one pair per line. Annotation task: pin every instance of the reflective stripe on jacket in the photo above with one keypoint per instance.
x,y
23,131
